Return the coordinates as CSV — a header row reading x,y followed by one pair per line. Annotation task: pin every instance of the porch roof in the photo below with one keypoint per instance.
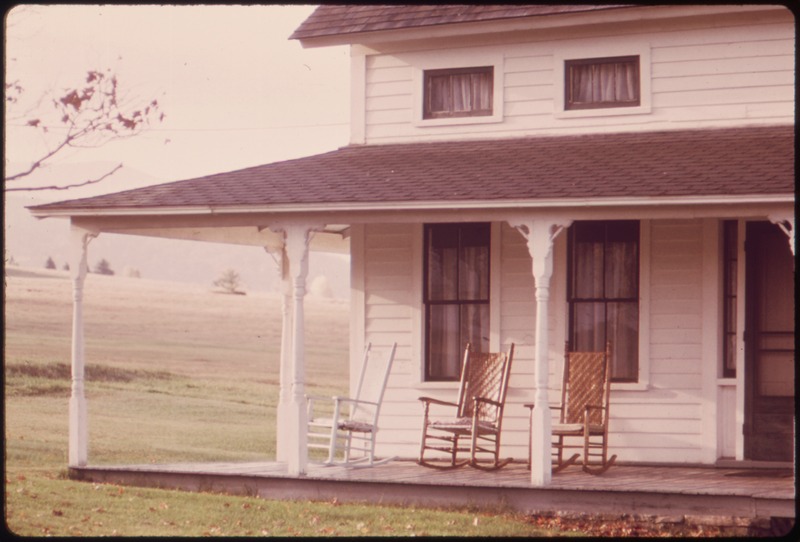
x,y
742,162
332,19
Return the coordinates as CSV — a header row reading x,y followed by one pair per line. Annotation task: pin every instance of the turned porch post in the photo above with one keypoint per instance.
x,y
297,238
540,235
78,417
285,380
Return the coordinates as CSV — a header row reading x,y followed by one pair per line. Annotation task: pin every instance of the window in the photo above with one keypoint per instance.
x,y
603,292
602,82
462,92
729,273
456,295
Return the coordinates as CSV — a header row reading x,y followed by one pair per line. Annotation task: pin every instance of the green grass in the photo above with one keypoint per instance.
x,y
207,393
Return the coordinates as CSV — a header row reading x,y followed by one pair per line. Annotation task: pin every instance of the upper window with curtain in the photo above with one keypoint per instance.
x,y
595,83
461,92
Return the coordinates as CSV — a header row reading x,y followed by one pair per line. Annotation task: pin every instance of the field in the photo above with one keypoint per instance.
x,y
174,372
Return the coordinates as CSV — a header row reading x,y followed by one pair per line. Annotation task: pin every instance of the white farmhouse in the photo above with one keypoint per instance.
x,y
536,175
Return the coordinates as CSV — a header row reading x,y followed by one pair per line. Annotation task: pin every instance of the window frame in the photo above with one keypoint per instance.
x,y
594,50
427,302
730,297
642,275
569,105
427,75
455,60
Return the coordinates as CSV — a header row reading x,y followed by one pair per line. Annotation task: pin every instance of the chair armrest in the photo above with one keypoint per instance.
x,y
354,401
553,407
431,400
487,400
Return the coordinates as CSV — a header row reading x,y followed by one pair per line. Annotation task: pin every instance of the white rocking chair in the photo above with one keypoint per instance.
x,y
353,426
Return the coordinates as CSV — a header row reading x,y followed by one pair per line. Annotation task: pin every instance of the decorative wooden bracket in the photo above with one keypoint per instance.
x,y
786,223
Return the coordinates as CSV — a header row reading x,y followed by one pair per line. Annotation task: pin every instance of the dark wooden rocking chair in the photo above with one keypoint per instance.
x,y
478,414
584,411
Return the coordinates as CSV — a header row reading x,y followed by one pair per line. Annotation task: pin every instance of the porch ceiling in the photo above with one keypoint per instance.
x,y
723,166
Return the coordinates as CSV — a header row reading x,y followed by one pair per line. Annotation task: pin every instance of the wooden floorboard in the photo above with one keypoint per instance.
x,y
695,490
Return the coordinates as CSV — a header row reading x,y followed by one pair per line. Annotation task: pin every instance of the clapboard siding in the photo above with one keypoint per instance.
x,y
708,72
659,421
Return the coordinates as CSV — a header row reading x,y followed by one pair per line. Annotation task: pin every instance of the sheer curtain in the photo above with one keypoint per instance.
x,y
457,295
603,82
604,292
461,92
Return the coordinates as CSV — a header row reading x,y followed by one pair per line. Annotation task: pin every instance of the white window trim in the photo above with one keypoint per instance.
x,y
589,50
445,62
643,382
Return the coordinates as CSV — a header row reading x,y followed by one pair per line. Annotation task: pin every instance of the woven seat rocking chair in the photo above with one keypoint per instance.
x,y
474,423
584,411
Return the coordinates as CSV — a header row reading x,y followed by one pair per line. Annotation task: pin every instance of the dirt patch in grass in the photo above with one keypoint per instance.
x,y
98,373
39,379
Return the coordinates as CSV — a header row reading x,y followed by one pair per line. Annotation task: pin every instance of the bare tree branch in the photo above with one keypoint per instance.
x,y
66,187
89,115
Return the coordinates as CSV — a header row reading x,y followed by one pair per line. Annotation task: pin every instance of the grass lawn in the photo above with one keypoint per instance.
x,y
174,373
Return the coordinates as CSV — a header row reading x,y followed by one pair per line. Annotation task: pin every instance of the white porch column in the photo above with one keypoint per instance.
x,y
285,380
540,235
78,418
297,238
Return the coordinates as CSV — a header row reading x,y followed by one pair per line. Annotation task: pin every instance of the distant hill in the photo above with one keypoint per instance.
x,y
31,241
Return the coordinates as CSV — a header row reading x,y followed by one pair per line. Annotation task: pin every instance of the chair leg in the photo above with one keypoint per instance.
x,y
605,461
454,463
497,463
561,463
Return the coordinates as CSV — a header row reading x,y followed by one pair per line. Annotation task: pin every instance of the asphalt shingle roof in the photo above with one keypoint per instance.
x,y
332,19
708,162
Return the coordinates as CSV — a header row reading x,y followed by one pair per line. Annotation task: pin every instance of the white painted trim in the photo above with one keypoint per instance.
x,y
495,284
439,60
417,305
645,266
740,351
598,48
566,20
417,374
548,203
711,340
358,309
78,449
358,96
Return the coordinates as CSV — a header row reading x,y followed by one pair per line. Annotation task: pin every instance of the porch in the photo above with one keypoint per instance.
x,y
731,492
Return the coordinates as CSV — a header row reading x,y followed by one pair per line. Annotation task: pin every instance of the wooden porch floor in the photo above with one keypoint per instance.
x,y
646,490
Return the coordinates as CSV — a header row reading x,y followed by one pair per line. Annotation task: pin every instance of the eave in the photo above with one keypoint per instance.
x,y
612,15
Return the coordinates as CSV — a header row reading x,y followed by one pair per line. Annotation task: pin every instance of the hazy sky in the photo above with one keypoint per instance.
x,y
235,90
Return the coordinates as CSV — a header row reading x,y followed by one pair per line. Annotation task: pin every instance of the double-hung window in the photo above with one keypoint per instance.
x,y
456,295
603,292
461,92
602,82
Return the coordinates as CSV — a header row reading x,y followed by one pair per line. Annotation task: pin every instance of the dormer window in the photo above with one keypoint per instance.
x,y
594,83
461,92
